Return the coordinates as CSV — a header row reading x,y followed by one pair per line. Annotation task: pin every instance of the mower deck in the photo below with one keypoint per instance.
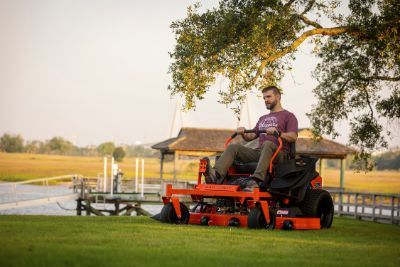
x,y
214,218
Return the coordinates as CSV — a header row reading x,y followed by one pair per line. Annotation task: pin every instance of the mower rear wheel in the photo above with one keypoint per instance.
x,y
168,214
318,203
256,219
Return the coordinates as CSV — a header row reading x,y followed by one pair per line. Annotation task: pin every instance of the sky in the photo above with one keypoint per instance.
x,y
94,71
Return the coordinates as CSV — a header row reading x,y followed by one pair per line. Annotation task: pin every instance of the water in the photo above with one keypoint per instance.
x,y
66,208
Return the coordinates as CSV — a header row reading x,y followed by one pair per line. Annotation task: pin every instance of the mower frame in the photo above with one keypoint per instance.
x,y
265,202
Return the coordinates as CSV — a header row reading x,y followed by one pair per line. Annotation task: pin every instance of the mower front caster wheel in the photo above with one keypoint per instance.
x,y
168,214
256,219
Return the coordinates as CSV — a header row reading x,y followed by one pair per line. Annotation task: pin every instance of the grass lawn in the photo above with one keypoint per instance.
x,y
140,241
17,167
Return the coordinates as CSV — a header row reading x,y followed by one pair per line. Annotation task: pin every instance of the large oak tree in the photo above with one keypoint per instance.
x,y
252,43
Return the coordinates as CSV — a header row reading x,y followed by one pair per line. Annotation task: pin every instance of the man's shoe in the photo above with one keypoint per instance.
x,y
212,177
250,184
210,174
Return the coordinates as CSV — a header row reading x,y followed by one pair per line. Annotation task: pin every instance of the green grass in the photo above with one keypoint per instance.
x,y
140,241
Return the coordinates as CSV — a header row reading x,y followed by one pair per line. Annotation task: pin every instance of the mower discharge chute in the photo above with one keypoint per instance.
x,y
290,197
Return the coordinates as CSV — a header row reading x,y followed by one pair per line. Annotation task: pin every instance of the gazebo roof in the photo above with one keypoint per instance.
x,y
213,140
198,139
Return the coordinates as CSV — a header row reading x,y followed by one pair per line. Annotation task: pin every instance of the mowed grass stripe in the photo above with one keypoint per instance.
x,y
140,241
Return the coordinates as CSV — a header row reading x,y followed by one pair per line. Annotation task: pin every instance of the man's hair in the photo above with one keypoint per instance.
x,y
272,88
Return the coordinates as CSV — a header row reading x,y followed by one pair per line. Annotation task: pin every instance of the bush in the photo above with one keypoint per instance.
x,y
118,154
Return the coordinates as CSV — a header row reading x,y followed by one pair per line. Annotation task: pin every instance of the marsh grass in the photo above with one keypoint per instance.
x,y
17,167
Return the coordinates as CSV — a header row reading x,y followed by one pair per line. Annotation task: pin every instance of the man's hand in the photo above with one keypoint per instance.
x,y
290,136
246,136
271,130
240,130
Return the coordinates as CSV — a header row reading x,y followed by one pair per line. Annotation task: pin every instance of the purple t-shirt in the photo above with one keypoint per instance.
x,y
284,121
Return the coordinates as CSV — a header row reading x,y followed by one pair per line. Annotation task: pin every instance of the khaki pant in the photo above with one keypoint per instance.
x,y
245,154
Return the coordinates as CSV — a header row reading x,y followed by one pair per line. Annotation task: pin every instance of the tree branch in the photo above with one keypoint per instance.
x,y
383,78
299,41
289,3
310,22
368,101
308,7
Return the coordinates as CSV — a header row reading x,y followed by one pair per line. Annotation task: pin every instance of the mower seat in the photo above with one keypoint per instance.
x,y
294,173
245,167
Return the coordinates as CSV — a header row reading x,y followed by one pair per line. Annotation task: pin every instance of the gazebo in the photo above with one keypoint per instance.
x,y
202,142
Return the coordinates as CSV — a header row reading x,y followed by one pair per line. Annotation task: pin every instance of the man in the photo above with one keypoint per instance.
x,y
278,120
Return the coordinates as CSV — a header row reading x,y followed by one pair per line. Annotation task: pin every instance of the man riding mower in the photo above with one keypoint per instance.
x,y
266,187
290,197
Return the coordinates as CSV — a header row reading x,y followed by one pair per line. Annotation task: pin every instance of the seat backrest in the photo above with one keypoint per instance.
x,y
291,152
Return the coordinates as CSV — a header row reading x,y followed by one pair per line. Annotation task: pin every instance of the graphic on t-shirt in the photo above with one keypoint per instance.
x,y
268,122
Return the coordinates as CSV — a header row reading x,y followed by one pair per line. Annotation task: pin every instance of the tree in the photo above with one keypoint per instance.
x,y
33,147
11,143
106,148
118,154
388,161
252,43
59,145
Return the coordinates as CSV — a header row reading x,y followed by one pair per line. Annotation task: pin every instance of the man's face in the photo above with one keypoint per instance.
x,y
270,99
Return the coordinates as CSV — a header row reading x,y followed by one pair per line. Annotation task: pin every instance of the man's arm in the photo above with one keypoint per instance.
x,y
246,136
289,136
291,129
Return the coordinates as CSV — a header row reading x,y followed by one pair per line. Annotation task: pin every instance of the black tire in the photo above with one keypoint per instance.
x,y
168,214
256,219
318,203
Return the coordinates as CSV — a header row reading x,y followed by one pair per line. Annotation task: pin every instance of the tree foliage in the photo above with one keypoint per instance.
x,y
106,148
11,143
252,43
388,161
118,154
58,145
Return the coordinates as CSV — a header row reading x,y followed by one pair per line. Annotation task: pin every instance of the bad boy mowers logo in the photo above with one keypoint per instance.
x,y
268,122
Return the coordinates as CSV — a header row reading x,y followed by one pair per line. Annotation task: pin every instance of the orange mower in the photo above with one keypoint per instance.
x,y
290,197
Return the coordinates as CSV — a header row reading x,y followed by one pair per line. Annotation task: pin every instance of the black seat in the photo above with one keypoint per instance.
x,y
294,173
245,167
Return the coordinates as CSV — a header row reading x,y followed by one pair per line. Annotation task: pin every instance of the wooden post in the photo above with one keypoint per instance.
x,y
161,167
340,208
87,206
373,207
79,207
321,166
136,175
356,206
175,166
116,208
392,210
105,175
342,170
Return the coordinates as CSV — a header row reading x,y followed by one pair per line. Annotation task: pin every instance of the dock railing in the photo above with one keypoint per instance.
x,y
377,207
38,191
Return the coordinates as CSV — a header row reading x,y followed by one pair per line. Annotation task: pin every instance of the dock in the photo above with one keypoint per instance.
x,y
125,199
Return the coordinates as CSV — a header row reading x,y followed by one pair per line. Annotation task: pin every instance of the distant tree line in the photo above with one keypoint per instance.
x,y
389,160
60,146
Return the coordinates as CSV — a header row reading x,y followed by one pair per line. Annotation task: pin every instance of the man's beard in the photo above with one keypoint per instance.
x,y
271,106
